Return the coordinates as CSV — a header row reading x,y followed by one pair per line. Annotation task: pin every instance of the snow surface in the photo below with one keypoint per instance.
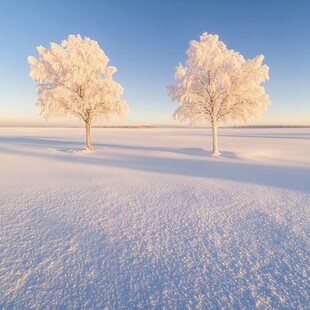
x,y
151,220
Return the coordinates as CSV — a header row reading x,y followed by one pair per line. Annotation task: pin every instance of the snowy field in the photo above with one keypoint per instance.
x,y
151,220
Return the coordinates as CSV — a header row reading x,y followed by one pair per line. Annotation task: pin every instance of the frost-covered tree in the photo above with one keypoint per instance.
x,y
73,79
218,85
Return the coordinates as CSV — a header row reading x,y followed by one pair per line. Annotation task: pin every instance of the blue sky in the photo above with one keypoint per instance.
x,y
145,40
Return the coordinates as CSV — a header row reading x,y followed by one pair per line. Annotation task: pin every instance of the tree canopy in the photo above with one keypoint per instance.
x,y
218,84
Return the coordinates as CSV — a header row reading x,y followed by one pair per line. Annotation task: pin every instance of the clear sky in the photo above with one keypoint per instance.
x,y
146,40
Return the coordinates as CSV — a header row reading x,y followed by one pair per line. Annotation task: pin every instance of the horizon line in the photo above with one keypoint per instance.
x,y
162,126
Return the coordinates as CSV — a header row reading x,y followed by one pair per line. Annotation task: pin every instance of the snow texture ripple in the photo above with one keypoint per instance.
x,y
150,220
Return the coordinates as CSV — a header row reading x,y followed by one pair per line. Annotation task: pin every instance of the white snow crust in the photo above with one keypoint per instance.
x,y
150,219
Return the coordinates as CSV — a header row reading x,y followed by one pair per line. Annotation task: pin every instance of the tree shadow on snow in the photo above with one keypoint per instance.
x,y
57,145
206,167
39,141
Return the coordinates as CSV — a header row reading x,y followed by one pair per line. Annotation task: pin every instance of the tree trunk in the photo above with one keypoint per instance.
x,y
215,151
87,123
88,142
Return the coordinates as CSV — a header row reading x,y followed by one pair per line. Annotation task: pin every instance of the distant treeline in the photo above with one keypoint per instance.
x,y
268,126
134,126
244,126
158,126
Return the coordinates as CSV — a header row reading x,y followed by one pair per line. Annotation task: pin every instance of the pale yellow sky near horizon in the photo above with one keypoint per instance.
x,y
31,119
